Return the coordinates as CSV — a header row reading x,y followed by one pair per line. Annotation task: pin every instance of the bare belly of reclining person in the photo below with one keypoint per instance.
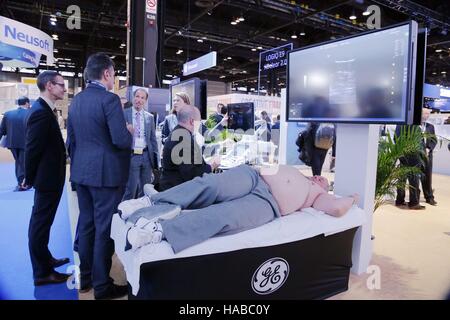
x,y
291,189
220,208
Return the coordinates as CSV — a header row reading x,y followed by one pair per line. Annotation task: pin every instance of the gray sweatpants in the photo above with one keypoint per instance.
x,y
224,203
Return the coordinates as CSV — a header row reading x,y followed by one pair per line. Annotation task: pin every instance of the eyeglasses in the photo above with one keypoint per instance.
x,y
62,85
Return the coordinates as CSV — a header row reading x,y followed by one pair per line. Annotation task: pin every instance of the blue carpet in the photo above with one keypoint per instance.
x,y
16,276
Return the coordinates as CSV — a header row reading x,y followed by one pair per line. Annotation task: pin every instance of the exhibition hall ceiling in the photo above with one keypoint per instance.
x,y
237,29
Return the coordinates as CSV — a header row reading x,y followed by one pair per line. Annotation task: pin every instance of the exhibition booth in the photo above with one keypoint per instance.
x,y
361,84
326,83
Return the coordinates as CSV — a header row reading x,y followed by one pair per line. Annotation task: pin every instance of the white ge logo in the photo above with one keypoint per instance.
x,y
270,276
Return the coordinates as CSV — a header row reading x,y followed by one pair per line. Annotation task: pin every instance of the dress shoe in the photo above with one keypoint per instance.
x,y
432,202
55,263
85,288
18,189
416,207
113,292
52,278
401,204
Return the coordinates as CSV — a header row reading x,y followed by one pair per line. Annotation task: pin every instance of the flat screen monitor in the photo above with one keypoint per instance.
x,y
196,90
420,61
366,78
241,116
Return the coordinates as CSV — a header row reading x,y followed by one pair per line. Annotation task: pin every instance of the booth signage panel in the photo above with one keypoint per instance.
x,y
274,58
431,91
445,93
15,57
23,36
28,80
151,8
206,61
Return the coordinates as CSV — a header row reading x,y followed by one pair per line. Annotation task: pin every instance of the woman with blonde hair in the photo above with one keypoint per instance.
x,y
170,122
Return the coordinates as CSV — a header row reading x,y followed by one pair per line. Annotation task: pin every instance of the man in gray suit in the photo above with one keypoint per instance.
x,y
144,154
100,146
13,128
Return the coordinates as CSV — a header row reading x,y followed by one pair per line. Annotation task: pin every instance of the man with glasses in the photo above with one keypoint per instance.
x,y
45,170
100,148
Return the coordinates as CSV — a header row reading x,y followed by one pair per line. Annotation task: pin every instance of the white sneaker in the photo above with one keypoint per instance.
x,y
151,233
128,207
149,190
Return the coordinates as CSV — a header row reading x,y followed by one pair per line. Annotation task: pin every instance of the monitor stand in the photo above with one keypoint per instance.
x,y
356,170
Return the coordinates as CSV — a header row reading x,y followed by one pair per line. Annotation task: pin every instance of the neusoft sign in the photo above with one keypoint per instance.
x,y
21,35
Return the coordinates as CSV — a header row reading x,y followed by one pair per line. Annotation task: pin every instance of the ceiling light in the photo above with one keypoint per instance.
x,y
233,23
366,13
352,17
434,73
294,36
179,51
260,48
438,50
302,34
112,57
53,23
444,72
200,40
221,77
55,50
241,18
253,49
229,58
53,19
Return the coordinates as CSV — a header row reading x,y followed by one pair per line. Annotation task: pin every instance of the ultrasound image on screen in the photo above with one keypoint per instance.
x,y
241,116
360,79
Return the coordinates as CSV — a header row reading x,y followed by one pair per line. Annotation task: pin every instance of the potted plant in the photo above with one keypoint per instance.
x,y
390,173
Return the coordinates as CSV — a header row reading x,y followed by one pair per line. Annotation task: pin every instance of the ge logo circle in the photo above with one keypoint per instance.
x,y
270,276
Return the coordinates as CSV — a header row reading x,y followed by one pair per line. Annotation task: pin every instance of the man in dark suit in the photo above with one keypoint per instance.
x,y
429,143
101,148
13,128
145,154
412,160
45,170
182,156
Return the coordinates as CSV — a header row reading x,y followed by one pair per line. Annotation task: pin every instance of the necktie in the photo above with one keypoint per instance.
x,y
138,125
